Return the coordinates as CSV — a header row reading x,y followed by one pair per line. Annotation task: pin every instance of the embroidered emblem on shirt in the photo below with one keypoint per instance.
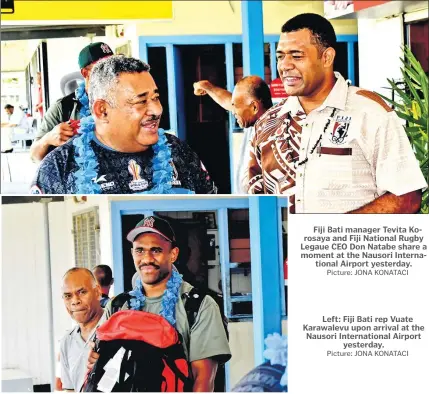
x,y
340,131
101,179
137,183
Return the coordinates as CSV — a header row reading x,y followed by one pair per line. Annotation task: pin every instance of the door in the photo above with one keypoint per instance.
x,y
206,122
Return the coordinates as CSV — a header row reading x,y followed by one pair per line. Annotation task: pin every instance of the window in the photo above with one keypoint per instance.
x,y
239,287
86,238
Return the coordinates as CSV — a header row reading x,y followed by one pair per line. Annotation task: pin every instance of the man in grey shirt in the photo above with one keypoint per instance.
x,y
205,343
81,295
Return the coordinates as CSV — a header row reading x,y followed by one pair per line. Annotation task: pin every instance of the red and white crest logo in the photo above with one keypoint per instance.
x,y
105,48
149,222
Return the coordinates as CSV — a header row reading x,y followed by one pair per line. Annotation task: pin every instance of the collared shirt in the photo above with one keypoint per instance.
x,y
342,155
121,173
74,352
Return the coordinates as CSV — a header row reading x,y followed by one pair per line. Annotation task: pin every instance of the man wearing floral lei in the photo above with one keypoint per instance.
x,y
61,120
120,148
161,290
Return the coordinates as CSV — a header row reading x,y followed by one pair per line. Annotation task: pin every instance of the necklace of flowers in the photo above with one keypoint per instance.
x,y
277,353
83,99
88,164
169,298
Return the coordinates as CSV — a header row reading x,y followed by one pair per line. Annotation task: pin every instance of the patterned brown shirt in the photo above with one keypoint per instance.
x,y
275,149
339,157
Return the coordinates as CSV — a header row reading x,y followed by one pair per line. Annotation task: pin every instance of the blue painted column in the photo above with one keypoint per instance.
x,y
253,37
273,60
143,50
229,61
172,86
351,61
266,274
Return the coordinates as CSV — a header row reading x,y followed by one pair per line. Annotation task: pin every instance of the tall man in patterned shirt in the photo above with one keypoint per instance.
x,y
120,149
331,147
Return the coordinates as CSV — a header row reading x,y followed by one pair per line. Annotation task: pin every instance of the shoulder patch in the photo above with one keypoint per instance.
x,y
374,97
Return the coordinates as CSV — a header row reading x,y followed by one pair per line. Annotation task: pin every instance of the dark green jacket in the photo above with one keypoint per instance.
x,y
62,110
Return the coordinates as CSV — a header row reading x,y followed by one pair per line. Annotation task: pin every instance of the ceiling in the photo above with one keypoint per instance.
x,y
18,43
31,32
15,55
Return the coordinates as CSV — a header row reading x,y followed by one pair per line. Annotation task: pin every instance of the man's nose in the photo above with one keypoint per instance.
x,y
154,108
146,257
286,64
75,300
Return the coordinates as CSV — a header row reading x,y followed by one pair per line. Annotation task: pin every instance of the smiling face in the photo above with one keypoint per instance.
x,y
153,258
303,69
131,125
81,296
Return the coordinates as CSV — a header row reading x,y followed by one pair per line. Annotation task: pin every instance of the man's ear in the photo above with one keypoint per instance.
x,y
84,72
111,282
99,292
174,254
328,57
100,110
255,106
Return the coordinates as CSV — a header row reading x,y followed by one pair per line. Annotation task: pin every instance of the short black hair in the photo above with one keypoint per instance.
x,y
108,276
258,89
8,106
322,30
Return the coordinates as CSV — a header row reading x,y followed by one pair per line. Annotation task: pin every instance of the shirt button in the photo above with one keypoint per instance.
x,y
300,175
303,149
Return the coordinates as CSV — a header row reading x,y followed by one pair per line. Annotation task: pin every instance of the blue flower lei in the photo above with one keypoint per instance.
x,y
169,298
277,353
83,99
88,164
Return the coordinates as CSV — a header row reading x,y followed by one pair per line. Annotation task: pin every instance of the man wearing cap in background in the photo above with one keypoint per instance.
x,y
59,124
104,276
154,252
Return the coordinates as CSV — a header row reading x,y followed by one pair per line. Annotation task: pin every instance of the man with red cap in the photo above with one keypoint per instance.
x,y
60,122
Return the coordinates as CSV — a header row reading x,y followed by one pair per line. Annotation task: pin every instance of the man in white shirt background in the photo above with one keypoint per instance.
x,y
16,123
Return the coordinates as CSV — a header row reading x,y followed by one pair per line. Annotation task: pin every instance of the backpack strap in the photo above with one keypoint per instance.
x,y
69,107
192,305
119,301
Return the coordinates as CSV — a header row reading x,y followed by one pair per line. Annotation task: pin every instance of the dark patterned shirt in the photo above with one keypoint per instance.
x,y
263,379
121,173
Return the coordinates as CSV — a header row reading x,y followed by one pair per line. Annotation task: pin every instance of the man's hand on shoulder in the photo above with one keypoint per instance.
x,y
59,135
